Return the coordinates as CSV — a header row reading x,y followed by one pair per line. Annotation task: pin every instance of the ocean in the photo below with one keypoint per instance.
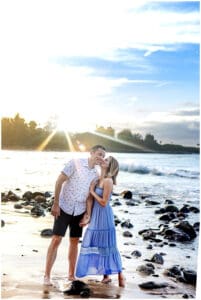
x,y
159,176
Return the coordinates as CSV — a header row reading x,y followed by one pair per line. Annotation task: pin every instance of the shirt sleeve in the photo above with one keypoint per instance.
x,y
69,168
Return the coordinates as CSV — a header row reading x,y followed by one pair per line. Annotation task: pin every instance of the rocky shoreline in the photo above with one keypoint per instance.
x,y
173,228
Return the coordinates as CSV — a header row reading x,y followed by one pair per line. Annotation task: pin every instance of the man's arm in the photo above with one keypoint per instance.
x,y
86,218
55,207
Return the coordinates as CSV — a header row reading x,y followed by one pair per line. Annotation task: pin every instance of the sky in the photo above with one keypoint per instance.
x,y
121,63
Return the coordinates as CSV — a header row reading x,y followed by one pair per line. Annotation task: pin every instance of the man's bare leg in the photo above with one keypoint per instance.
x,y
51,256
72,257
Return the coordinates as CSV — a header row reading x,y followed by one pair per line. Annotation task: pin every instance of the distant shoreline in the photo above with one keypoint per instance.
x,y
112,151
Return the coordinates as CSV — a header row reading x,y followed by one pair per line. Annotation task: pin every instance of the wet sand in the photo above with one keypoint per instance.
x,y
23,262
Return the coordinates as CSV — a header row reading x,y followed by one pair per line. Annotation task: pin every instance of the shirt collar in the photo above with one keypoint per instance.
x,y
86,164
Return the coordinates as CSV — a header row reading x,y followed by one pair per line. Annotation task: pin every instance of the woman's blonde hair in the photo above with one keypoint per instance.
x,y
113,169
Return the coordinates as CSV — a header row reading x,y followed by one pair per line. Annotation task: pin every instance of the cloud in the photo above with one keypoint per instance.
x,y
113,57
95,28
179,127
184,133
188,112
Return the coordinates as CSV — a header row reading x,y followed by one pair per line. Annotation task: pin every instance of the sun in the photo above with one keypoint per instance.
x,y
71,123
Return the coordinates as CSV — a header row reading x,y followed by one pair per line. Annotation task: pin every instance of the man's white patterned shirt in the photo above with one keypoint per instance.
x,y
75,190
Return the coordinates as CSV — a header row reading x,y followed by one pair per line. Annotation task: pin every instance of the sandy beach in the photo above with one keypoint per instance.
x,y
23,261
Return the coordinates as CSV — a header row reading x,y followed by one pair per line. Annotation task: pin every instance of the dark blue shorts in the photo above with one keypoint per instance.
x,y
63,221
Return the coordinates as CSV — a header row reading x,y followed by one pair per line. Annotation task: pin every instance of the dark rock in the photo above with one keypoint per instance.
x,y
171,208
167,216
126,224
78,287
35,194
187,228
116,202
168,201
136,253
176,235
157,258
185,209
146,269
116,220
28,195
46,233
153,285
2,223
159,211
127,234
127,194
37,211
157,240
174,271
18,206
47,194
131,203
152,202
194,209
40,199
190,276
144,196
115,194
12,197
196,226
127,256
149,234
4,198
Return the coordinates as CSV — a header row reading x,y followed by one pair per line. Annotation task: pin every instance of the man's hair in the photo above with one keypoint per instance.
x,y
96,147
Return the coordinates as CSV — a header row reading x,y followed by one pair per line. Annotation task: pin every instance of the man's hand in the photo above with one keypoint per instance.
x,y
85,220
92,185
55,211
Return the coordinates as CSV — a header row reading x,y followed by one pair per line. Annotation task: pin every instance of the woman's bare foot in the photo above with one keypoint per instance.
x,y
106,279
122,281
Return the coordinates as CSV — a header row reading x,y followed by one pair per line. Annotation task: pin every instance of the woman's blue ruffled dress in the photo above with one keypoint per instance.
x,y
99,254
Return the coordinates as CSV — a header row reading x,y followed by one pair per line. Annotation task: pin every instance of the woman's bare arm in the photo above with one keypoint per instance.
x,y
107,189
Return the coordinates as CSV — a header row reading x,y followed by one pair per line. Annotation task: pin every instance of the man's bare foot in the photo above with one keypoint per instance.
x,y
71,278
46,281
85,220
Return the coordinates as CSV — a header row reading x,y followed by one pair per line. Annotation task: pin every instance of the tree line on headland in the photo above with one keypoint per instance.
x,y
17,134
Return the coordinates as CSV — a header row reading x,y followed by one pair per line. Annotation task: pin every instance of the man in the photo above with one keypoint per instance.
x,y
71,191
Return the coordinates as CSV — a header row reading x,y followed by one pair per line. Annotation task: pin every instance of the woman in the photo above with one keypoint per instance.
x,y
99,254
